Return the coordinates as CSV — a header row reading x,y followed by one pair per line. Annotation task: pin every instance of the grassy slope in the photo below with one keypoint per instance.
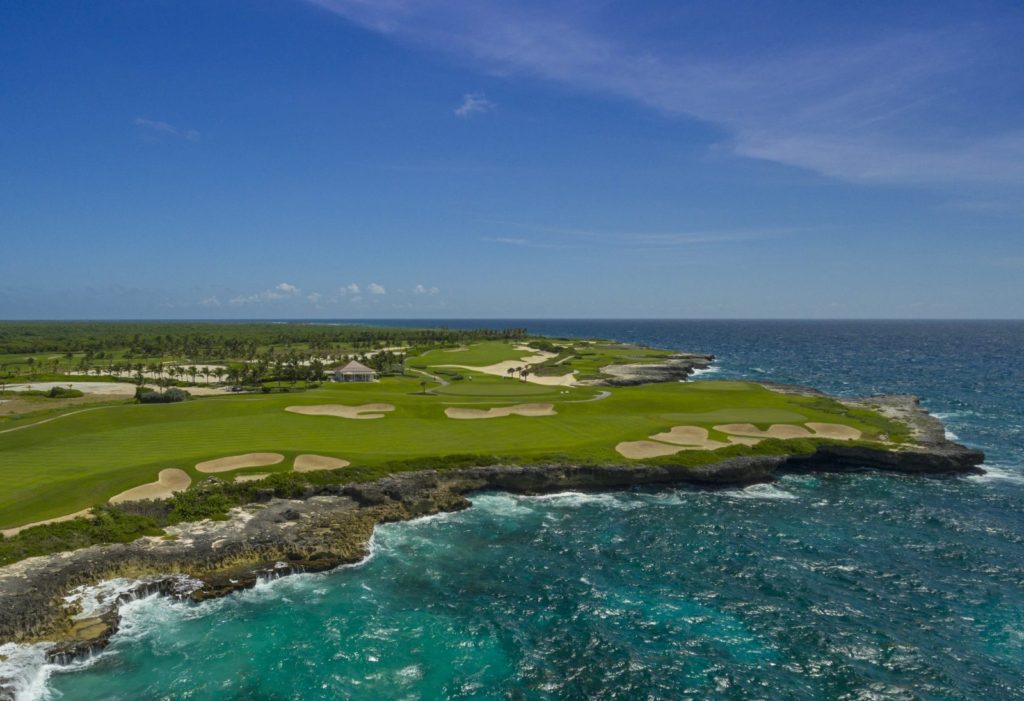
x,y
82,459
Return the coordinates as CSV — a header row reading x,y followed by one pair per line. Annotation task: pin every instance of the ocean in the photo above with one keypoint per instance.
x,y
825,586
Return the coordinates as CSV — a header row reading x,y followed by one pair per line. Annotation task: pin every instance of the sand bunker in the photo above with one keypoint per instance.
x,y
497,412
311,463
782,431
680,438
691,437
237,462
363,411
167,483
638,450
836,431
11,532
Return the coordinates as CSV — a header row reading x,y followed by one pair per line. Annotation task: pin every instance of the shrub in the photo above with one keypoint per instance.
x,y
58,392
174,394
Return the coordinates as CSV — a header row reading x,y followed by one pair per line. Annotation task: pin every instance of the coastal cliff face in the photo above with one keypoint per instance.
x,y
332,525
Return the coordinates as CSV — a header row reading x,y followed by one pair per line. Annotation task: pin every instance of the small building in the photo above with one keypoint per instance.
x,y
354,372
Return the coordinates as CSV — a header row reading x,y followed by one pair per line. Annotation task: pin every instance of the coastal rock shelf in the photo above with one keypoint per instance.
x,y
674,369
332,524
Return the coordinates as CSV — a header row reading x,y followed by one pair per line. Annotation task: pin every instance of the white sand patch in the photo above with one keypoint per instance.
x,y
254,477
102,388
497,412
501,369
677,439
311,463
362,411
836,431
237,462
168,482
208,391
10,532
691,436
782,431
638,450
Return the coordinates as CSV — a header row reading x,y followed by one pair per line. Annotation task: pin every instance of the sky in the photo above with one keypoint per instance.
x,y
353,159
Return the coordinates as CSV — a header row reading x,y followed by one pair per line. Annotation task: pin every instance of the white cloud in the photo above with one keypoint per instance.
x,y
885,108
376,289
280,291
474,103
314,297
157,128
421,290
210,302
349,289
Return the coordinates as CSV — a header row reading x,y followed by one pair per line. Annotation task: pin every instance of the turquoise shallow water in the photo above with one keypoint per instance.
x,y
866,586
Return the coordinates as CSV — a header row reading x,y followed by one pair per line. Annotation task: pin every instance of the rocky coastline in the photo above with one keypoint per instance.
x,y
331,525
678,367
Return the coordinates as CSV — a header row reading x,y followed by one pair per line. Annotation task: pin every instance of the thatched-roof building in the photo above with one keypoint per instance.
x,y
354,372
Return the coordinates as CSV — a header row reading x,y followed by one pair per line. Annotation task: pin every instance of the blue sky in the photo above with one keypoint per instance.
x,y
398,158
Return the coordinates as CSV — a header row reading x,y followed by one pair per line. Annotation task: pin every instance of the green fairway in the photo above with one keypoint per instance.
x,y
487,353
81,459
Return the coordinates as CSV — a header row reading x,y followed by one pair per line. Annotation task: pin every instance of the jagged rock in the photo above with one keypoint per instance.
x,y
678,367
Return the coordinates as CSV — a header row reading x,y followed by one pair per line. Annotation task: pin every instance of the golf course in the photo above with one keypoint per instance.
x,y
466,400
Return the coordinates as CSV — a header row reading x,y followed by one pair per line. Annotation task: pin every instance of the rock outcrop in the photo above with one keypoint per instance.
x,y
678,367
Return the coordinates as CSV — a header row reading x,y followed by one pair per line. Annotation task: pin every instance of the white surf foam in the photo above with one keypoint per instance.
x,y
701,372
760,491
999,474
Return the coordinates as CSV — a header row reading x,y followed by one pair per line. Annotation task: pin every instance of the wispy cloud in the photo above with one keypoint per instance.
x,y
376,289
873,109
279,292
473,103
567,237
154,127
423,290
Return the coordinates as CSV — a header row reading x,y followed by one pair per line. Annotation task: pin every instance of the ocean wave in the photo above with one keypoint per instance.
x,y
24,671
760,491
700,372
574,499
994,473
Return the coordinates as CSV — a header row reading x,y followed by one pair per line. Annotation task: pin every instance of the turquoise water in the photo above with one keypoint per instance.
x,y
866,586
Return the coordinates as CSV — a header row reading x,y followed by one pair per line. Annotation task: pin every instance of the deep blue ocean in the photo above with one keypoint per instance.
x,y
831,586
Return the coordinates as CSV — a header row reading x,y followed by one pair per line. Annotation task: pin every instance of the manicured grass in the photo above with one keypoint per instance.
x,y
475,355
82,459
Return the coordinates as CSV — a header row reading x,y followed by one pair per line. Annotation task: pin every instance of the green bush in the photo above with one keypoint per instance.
x,y
58,392
174,394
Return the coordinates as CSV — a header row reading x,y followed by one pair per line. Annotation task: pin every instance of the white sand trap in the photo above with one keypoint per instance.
x,y
362,411
11,532
638,450
689,436
237,462
168,482
782,431
311,463
254,477
836,431
499,411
